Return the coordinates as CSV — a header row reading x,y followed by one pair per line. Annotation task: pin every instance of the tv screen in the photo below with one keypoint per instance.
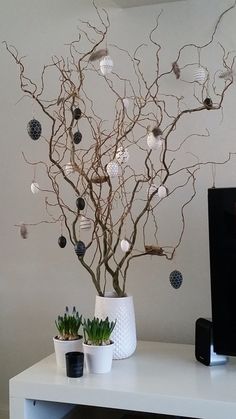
x,y
222,242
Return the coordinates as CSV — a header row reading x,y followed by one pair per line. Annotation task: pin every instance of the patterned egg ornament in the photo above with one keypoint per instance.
x,y
122,155
80,203
69,168
85,223
176,279
77,137
80,248
62,241
200,74
112,169
77,113
34,129
106,65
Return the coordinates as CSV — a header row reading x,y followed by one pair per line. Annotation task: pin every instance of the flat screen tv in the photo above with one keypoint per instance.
x,y
222,245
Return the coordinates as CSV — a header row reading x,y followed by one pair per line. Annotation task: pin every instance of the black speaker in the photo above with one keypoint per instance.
x,y
222,243
204,351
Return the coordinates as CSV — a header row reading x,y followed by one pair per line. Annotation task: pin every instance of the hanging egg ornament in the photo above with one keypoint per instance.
x,y
77,113
80,248
34,187
85,223
152,141
152,188
77,137
122,155
34,129
125,102
112,169
162,191
125,245
106,65
176,279
69,168
23,231
62,241
156,131
80,203
208,103
200,74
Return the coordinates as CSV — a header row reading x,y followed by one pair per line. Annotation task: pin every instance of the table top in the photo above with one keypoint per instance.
x,y
159,378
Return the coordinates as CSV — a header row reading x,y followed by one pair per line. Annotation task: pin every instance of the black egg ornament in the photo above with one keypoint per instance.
x,y
77,137
62,241
208,103
34,129
80,203
80,248
77,113
176,279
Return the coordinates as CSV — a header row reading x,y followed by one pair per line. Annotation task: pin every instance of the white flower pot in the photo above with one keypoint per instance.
x,y
98,359
124,334
63,346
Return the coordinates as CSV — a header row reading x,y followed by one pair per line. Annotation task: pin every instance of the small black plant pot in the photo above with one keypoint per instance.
x,y
74,364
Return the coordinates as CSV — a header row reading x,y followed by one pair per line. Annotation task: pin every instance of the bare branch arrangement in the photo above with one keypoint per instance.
x,y
113,216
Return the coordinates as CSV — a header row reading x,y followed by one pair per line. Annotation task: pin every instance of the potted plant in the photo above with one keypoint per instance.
x,y
68,338
116,183
97,345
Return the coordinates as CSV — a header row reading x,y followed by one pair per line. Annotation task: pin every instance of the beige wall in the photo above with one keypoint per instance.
x,y
37,279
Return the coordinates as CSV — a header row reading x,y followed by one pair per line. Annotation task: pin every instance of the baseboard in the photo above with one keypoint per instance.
x,y
4,412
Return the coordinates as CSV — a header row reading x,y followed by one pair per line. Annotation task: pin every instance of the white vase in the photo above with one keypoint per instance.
x,y
124,334
98,359
61,347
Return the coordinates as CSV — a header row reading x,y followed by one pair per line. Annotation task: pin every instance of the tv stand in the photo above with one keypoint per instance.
x,y
160,378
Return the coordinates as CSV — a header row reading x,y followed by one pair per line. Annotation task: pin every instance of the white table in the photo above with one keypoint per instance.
x,y
158,378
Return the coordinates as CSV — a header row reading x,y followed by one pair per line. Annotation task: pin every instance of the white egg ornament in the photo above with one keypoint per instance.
x,y
69,169
152,188
162,191
85,223
112,169
122,155
153,142
126,102
125,245
106,65
200,75
34,187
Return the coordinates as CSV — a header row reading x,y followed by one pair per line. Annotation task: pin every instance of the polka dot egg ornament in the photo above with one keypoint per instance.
x,y
34,129
176,279
112,169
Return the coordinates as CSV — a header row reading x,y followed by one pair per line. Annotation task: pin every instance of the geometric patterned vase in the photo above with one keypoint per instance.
x,y
120,309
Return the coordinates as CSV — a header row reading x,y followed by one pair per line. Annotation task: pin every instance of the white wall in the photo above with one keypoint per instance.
x,y
37,278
